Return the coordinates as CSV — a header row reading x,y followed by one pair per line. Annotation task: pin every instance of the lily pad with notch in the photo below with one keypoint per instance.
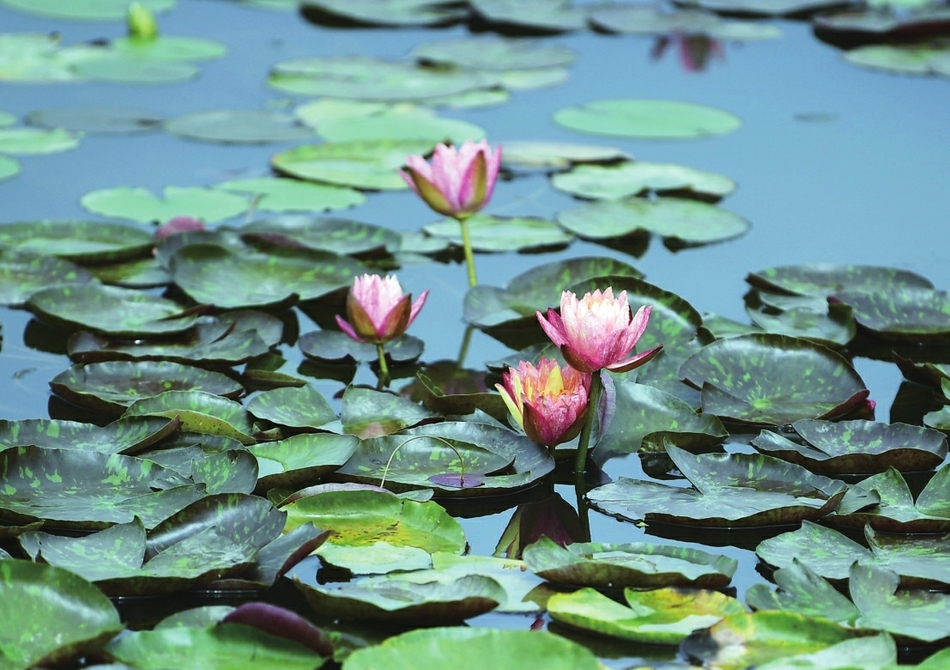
x,y
238,126
647,119
325,233
369,165
303,407
78,241
332,345
199,412
369,413
140,204
627,178
498,234
902,314
301,460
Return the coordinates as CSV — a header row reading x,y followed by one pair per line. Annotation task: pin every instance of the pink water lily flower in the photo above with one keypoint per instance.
x,y
549,402
458,182
597,332
378,310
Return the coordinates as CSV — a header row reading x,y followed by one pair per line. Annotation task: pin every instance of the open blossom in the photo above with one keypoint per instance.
x,y
458,182
378,310
548,402
597,332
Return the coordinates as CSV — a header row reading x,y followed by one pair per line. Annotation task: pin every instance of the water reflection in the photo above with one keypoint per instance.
x,y
694,52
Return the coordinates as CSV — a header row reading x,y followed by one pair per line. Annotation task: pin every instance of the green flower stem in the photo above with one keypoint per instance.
x,y
593,402
583,513
469,254
383,367
463,350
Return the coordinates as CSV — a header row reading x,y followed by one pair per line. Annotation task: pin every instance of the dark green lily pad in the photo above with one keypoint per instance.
x,y
920,59
238,126
885,502
96,119
494,233
825,279
302,459
763,7
88,10
139,204
87,490
773,379
394,601
110,387
635,565
658,616
123,436
332,345
60,617
446,388
29,141
23,273
8,168
829,324
857,446
556,155
492,52
291,195
647,119
220,647
369,413
341,236
803,591
135,273
366,78
365,165
871,23
686,221
541,16
199,412
78,241
643,20
922,562
902,314
939,420
112,310
528,461
610,182
118,68
303,407
393,13
731,490
212,274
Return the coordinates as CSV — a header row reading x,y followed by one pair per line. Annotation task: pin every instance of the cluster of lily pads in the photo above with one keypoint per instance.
x,y
203,466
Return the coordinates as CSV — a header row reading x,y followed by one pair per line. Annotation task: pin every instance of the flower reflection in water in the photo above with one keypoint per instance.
x,y
694,50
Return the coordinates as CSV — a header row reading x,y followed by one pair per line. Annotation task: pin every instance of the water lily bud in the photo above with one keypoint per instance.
x,y
378,310
141,22
458,182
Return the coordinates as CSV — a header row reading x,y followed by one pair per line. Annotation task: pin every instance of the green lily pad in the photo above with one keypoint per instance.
x,y
96,119
215,275
511,574
803,591
685,221
88,10
493,233
825,279
78,241
135,273
368,413
29,141
199,412
290,195
60,617
110,387
647,119
39,58
446,388
901,313
731,490
636,565
873,23
541,16
301,460
124,436
556,155
87,490
828,324
641,20
658,616
921,562
365,165
394,601
492,52
226,645
620,180
168,48
303,407
857,446
378,558
8,168
920,59
366,78
24,273
394,13
117,68
139,204
391,122
341,236
885,502
112,310
517,462
238,126
764,7
336,346
773,379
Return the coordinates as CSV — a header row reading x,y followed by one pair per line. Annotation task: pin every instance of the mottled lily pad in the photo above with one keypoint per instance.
x,y
773,379
658,616
731,490
88,10
369,413
830,324
96,119
60,617
492,52
139,204
238,126
341,236
78,241
336,346
365,165
684,221
303,407
857,446
901,313
635,565
124,436
493,233
885,502
610,182
825,279
110,387
647,119
302,459
520,584
23,273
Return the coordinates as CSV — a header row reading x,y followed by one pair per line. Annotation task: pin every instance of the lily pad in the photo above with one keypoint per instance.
x,y
393,13
647,119
199,412
124,436
829,324
764,7
24,273
393,122
556,155
636,565
825,279
96,119
731,490
238,126
369,413
303,407
901,313
8,168
78,241
365,165
168,48
39,58
29,141
640,20
88,10
336,346
290,195
492,52
60,617
773,379
498,234
658,616
803,591
921,59
685,221
117,68
857,446
341,236
611,182
520,584
538,16
876,24
139,204
302,459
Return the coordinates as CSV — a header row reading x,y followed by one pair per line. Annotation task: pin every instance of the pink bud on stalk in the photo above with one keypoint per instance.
x,y
378,310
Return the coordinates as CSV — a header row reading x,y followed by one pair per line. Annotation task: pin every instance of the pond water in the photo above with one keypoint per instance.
x,y
835,164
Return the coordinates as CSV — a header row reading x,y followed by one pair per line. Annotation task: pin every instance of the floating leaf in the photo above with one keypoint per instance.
x,y
542,16
512,575
78,241
556,155
626,178
393,122
647,119
96,119
167,48
123,436
139,204
492,233
397,13
331,345
24,273
873,24
491,52
301,459
289,195
829,324
825,279
901,313
8,168
378,558
904,58
28,141
885,502
640,20
303,407
368,413
366,165
764,7
88,10
199,412
238,126
802,590
341,236
117,68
